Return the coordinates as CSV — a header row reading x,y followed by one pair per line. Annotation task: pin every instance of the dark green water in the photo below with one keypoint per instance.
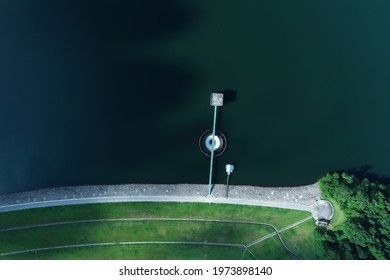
x,y
107,92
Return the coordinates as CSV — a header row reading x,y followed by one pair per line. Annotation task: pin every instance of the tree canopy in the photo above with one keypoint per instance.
x,y
366,232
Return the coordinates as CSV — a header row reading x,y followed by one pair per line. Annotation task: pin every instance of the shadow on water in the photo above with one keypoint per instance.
x,y
364,172
216,165
94,89
229,96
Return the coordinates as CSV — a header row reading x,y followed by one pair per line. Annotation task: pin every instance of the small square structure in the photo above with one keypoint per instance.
x,y
216,99
322,223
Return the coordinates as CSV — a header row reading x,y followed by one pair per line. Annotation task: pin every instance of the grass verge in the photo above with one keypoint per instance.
x,y
141,231
270,249
136,252
277,217
338,216
301,240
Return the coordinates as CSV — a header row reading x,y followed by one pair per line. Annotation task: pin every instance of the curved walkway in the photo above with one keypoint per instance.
x,y
304,198
245,248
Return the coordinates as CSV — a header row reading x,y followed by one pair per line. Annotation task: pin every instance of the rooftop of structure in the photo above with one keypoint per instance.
x,y
216,99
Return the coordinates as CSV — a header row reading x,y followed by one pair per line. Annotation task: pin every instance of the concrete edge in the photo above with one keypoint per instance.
x,y
301,198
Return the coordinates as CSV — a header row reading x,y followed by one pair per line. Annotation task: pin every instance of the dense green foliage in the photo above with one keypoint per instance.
x,y
365,233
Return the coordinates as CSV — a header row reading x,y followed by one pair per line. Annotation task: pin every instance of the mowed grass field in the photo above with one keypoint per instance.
x,y
202,239
302,234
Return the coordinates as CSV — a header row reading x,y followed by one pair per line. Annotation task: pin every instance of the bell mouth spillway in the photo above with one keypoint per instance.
x,y
209,142
206,144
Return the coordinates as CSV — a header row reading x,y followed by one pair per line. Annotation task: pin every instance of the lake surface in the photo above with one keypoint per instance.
x,y
109,92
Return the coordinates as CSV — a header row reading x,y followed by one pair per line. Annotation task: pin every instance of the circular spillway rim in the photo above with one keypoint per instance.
x,y
209,145
205,143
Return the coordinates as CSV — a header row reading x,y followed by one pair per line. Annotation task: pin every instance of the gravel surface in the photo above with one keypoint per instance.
x,y
304,198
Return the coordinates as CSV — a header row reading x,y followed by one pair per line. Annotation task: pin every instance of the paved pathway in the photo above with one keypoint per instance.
x,y
303,198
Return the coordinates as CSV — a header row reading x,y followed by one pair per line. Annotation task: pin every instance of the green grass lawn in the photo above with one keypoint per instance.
x,y
138,231
137,252
338,217
300,240
270,249
277,217
86,233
